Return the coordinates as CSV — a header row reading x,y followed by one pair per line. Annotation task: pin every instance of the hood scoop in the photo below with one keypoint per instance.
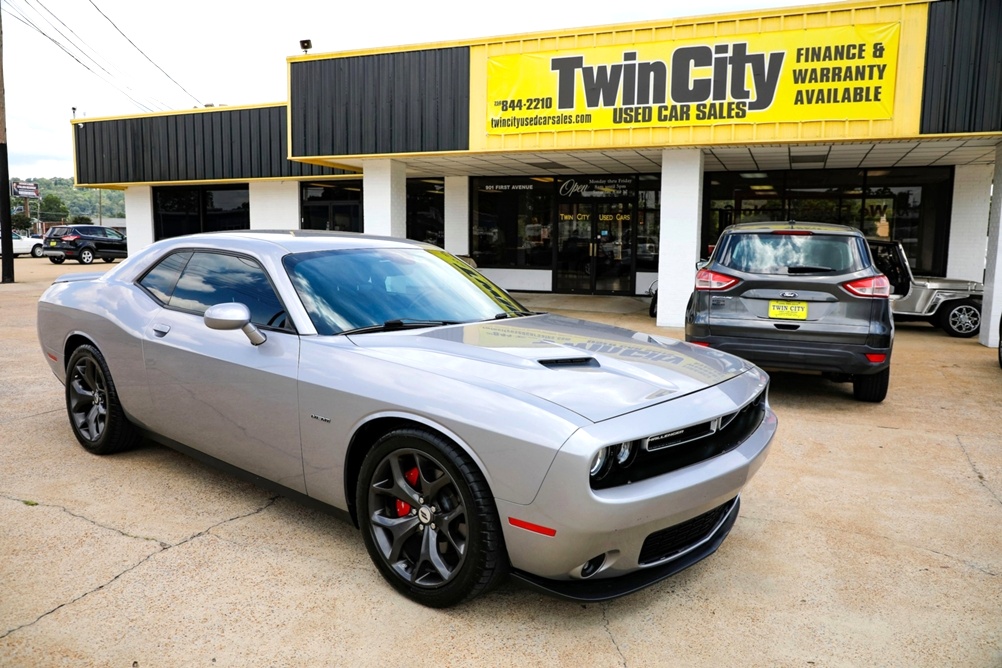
x,y
564,362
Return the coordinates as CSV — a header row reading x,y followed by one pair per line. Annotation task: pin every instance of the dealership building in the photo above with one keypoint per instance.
x,y
598,160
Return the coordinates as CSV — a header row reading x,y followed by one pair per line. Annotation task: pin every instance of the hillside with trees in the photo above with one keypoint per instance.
x,y
82,202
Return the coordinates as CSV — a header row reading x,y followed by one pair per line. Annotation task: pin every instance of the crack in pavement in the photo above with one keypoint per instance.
x,y
608,631
163,548
881,537
981,477
22,418
82,517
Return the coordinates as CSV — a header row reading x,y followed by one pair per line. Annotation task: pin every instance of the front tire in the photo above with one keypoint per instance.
x,y
652,310
428,519
36,251
86,256
961,318
109,260
872,387
95,413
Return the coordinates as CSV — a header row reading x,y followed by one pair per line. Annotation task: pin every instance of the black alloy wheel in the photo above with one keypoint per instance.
x,y
92,403
86,256
57,260
428,519
961,318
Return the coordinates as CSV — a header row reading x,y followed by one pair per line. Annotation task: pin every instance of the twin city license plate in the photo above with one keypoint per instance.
x,y
787,310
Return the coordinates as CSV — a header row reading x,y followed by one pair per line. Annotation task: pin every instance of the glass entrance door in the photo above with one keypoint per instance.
x,y
591,255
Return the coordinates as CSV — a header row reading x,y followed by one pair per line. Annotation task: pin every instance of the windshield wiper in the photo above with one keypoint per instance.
x,y
514,314
805,269
400,323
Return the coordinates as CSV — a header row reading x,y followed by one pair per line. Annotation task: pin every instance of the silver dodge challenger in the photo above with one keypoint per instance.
x,y
392,383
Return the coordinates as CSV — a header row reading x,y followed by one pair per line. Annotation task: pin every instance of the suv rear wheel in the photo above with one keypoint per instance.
x,y
872,387
86,256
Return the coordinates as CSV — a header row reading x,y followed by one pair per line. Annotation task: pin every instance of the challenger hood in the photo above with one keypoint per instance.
x,y
594,370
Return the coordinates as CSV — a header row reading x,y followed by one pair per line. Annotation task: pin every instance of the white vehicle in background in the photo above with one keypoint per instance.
x,y
25,245
950,303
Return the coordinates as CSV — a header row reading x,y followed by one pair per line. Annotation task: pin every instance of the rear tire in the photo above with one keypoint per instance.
x,y
86,256
57,260
92,404
36,251
872,387
961,318
653,310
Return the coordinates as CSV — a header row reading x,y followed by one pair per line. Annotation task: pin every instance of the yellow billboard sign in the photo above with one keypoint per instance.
x,y
841,73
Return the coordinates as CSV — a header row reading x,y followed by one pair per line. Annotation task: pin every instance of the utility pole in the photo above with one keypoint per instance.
x,y
6,239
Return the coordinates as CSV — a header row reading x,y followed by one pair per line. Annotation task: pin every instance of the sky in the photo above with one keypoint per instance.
x,y
126,57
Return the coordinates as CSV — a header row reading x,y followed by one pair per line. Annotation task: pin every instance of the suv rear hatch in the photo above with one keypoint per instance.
x,y
767,284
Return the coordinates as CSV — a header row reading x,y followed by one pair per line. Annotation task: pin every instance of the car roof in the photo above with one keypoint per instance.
x,y
796,225
294,241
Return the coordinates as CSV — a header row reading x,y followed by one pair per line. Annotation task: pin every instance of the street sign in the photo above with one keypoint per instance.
x,y
23,189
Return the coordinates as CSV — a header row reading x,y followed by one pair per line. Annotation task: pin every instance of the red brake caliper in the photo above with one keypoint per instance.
x,y
411,477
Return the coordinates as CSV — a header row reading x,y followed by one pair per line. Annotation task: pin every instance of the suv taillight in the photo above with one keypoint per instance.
x,y
71,237
711,280
875,286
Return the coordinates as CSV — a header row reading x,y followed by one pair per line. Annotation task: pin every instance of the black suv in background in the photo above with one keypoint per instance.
x,y
797,296
84,243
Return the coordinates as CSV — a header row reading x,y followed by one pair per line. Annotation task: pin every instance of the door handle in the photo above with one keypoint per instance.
x,y
161,330
591,250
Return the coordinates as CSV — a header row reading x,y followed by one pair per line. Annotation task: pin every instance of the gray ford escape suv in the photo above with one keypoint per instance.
x,y
797,296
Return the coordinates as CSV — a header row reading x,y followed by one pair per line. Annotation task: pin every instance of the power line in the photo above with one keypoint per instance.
x,y
79,40
197,101
16,13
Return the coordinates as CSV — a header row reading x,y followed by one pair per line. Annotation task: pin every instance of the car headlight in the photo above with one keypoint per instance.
x,y
619,455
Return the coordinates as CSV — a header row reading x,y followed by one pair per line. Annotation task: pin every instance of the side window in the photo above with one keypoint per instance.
x,y
161,279
113,234
93,232
214,278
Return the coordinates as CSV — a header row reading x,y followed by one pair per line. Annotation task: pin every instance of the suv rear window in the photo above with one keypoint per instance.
x,y
784,253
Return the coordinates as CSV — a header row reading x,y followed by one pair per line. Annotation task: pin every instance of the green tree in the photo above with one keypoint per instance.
x,y
81,220
20,221
53,209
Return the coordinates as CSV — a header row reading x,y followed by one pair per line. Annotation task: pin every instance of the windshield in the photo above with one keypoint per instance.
x,y
345,290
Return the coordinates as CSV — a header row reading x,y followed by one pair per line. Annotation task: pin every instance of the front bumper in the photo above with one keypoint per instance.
x,y
615,525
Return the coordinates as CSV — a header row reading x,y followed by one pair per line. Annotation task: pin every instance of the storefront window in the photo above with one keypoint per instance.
x,y
426,210
648,242
512,222
911,206
179,210
332,205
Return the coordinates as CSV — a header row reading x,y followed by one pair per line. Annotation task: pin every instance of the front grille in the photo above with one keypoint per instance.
x,y
676,449
666,543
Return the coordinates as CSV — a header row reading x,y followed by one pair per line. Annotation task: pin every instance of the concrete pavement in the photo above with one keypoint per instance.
x,y
872,536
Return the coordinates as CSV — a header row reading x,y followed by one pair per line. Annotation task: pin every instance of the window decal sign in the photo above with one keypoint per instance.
x,y
843,73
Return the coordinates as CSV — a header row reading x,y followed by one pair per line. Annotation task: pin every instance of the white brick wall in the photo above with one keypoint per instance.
x,y
681,216
457,215
384,183
274,205
969,222
992,309
139,213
